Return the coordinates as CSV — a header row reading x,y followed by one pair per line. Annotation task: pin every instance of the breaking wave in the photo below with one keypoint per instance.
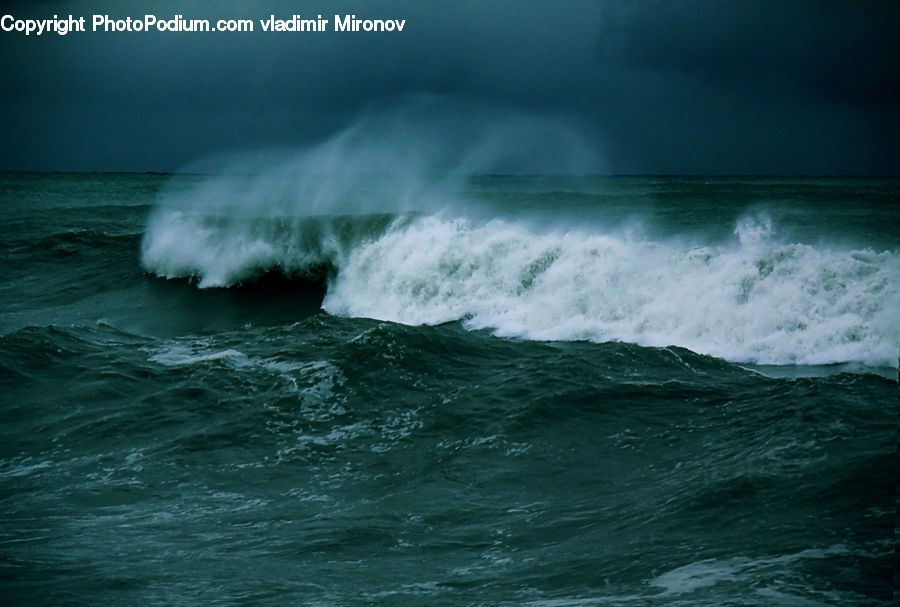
x,y
753,299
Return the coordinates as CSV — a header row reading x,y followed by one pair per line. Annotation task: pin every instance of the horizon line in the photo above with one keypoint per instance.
x,y
483,175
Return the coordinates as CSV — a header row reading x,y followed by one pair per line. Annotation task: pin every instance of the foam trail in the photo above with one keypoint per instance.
x,y
755,300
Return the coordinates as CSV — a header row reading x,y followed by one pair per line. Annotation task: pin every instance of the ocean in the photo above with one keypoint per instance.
x,y
508,390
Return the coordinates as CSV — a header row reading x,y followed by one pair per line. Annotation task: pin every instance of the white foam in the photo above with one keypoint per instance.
x,y
710,572
179,355
179,245
754,300
313,380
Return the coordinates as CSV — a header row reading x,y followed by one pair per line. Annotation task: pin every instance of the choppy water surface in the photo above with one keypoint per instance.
x,y
534,391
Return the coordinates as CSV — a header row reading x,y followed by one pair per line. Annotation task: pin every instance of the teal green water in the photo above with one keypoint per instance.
x,y
627,391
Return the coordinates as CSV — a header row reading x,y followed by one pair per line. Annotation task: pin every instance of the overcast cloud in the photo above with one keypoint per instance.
x,y
655,87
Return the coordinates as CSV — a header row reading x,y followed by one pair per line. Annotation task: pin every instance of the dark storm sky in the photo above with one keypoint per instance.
x,y
660,87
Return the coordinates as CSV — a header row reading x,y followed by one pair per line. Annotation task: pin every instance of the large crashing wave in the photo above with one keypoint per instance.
x,y
751,300
367,209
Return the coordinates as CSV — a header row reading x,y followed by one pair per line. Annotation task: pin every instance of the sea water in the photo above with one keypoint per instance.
x,y
512,391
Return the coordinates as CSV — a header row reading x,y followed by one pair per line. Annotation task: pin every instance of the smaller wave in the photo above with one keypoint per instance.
x,y
314,381
222,251
70,242
183,356
731,574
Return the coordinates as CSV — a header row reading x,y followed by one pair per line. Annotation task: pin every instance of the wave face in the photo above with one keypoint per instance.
x,y
751,299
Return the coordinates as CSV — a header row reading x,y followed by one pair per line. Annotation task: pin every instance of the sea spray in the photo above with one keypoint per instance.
x,y
754,299
383,211
223,251
414,155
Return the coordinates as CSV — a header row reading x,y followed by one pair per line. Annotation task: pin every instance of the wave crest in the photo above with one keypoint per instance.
x,y
753,300
222,251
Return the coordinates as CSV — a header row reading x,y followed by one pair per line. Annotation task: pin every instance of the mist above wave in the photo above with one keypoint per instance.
x,y
411,154
280,209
